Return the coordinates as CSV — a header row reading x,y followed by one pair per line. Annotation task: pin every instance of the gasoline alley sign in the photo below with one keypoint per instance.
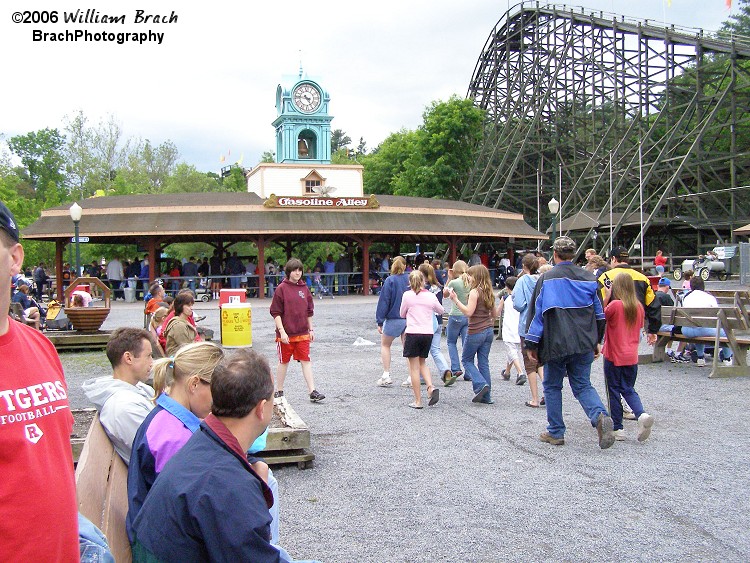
x,y
314,202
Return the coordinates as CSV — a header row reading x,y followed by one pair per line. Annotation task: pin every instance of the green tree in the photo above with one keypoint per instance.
x,y
444,150
79,158
41,155
386,162
739,22
186,178
235,181
268,156
339,140
362,146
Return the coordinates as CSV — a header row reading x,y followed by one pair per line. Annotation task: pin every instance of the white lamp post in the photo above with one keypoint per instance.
x,y
554,207
75,213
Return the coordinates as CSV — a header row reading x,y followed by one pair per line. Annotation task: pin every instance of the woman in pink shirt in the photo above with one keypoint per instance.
x,y
419,307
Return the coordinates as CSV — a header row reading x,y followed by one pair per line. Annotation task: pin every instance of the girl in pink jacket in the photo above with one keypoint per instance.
x,y
419,307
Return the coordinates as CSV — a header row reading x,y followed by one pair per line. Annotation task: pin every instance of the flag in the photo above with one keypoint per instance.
x,y
239,162
221,158
729,4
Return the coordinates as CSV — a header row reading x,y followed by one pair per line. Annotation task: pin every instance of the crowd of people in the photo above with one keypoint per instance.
x,y
553,321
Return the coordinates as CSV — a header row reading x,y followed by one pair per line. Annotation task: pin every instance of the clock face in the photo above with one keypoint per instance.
x,y
306,97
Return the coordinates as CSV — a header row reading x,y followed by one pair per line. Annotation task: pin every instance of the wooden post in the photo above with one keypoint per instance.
x,y
151,249
261,270
453,243
366,266
59,252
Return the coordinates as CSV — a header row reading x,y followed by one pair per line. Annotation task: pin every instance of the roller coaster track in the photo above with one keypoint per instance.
x,y
611,112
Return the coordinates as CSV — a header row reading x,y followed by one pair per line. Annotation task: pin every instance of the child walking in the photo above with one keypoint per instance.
x,y
625,317
510,335
292,311
419,307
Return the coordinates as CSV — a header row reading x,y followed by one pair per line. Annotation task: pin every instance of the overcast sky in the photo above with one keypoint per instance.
x,y
210,86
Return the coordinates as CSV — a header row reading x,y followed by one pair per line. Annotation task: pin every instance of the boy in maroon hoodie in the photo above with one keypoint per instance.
x,y
292,311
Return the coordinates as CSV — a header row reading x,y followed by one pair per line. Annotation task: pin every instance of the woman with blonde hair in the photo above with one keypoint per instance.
x,y
419,307
458,324
155,328
481,311
433,286
390,323
182,386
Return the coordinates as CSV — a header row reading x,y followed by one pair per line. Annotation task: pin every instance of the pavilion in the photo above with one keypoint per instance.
x,y
223,219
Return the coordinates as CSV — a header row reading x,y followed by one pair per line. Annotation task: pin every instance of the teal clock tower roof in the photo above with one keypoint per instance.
x,y
303,124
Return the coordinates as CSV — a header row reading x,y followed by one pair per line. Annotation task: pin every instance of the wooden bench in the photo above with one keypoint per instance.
x,y
102,489
731,319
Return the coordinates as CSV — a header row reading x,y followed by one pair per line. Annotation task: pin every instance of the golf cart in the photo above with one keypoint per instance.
x,y
709,265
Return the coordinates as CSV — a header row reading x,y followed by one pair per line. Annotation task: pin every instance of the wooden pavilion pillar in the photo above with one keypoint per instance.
x,y
151,249
366,266
59,252
365,243
452,243
261,270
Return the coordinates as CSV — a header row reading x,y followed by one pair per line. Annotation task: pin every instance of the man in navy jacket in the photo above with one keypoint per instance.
x,y
566,327
209,504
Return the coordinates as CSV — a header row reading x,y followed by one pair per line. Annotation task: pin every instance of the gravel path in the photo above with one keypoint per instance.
x,y
467,482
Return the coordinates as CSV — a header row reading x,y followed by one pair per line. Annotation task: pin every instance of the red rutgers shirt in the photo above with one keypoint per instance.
x,y
38,509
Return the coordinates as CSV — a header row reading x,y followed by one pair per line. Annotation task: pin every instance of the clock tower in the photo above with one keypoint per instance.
x,y
303,126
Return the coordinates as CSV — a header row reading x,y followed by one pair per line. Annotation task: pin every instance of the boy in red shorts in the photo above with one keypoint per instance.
x,y
292,311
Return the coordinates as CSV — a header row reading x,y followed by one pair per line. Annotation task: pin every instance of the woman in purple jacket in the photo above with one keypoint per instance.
x,y
183,398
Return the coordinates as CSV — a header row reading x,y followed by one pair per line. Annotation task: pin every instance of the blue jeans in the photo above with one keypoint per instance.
x,y
343,284
478,345
458,325
700,349
621,383
436,353
234,282
578,369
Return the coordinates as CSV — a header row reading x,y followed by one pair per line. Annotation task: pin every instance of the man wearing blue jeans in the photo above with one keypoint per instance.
x,y
699,298
566,327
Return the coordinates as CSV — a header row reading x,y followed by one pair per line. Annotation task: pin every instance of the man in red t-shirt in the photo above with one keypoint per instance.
x,y
38,509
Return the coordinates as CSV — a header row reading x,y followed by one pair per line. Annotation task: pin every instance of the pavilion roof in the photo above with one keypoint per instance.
x,y
208,217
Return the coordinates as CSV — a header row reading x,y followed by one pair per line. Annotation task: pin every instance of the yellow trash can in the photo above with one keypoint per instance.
x,y
236,325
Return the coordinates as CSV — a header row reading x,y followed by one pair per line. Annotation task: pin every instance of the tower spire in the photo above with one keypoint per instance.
x,y
300,63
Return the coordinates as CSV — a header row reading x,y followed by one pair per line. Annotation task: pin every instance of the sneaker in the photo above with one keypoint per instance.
x,y
458,373
505,375
550,439
605,431
680,359
727,362
385,381
278,394
645,422
316,397
620,435
701,362
628,415
406,382
483,392
521,379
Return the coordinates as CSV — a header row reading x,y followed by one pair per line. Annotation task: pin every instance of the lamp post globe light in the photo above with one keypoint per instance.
x,y
554,207
75,213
